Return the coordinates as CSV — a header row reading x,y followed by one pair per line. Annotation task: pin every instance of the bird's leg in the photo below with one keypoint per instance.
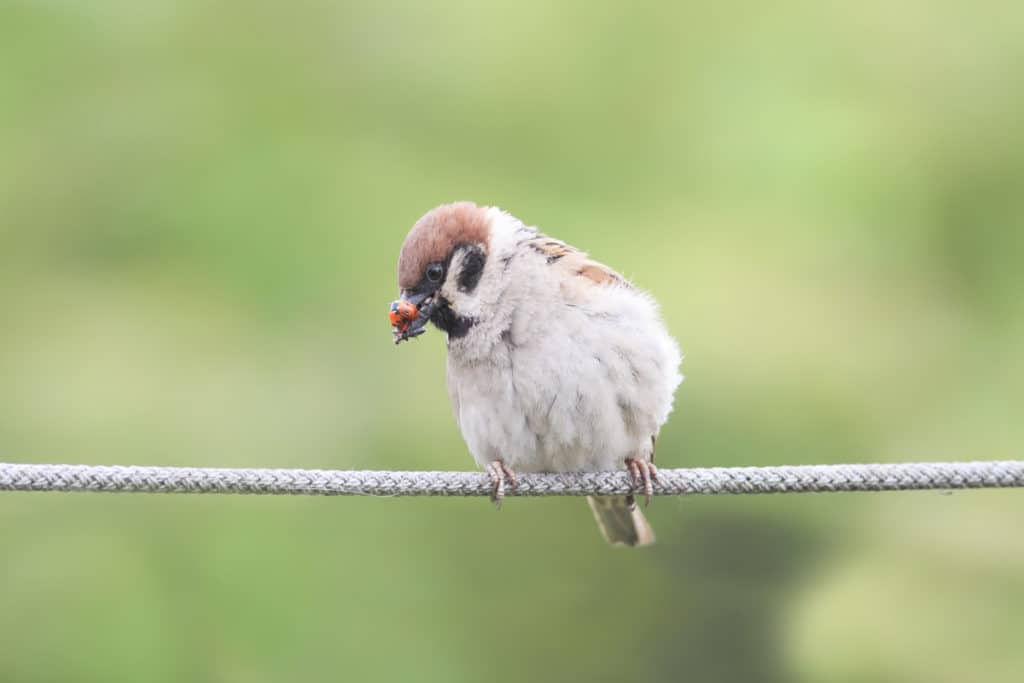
x,y
643,474
500,474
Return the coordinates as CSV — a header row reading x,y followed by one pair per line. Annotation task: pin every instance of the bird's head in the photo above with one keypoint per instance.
x,y
443,272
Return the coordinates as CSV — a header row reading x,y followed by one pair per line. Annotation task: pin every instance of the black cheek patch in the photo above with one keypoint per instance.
x,y
472,269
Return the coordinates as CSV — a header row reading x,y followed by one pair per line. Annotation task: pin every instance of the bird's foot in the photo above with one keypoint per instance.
x,y
500,475
644,474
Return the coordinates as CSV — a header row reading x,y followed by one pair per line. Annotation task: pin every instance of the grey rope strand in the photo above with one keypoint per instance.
x,y
673,482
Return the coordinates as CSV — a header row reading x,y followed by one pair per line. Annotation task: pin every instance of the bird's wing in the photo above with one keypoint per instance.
x,y
558,254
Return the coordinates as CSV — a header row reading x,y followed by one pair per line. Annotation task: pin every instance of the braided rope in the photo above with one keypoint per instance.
x,y
737,480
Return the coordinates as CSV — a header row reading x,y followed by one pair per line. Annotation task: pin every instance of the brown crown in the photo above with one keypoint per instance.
x,y
434,236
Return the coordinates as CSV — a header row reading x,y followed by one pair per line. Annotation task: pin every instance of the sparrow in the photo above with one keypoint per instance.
x,y
556,363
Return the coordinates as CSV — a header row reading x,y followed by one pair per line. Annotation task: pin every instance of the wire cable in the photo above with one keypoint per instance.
x,y
670,482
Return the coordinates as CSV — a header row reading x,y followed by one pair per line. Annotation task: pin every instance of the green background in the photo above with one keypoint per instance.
x,y
201,205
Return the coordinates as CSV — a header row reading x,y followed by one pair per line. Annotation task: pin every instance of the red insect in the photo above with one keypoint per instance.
x,y
402,314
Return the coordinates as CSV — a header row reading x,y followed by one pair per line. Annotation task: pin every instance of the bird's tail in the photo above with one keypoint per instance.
x,y
621,520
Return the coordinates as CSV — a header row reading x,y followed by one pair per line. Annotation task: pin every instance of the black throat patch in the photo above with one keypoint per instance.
x,y
445,319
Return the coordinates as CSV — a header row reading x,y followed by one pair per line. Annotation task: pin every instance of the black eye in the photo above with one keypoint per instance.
x,y
435,271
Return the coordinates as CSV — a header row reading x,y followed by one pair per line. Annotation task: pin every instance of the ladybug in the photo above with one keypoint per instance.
x,y
402,314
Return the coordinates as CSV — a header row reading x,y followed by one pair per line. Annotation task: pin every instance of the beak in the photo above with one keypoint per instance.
x,y
410,314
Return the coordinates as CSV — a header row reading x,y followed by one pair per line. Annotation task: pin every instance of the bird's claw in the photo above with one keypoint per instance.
x,y
643,474
500,474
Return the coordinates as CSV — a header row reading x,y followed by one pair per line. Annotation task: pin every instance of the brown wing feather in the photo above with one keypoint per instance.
x,y
562,255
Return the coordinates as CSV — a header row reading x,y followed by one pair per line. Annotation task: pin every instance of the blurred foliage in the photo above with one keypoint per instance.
x,y
201,205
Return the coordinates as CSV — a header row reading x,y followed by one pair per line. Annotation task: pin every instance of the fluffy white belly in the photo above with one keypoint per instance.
x,y
580,398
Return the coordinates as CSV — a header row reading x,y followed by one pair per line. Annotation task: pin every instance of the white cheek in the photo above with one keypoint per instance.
x,y
486,302
449,289
459,302
462,303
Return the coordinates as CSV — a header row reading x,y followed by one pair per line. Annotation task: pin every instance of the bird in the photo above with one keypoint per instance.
x,y
555,362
